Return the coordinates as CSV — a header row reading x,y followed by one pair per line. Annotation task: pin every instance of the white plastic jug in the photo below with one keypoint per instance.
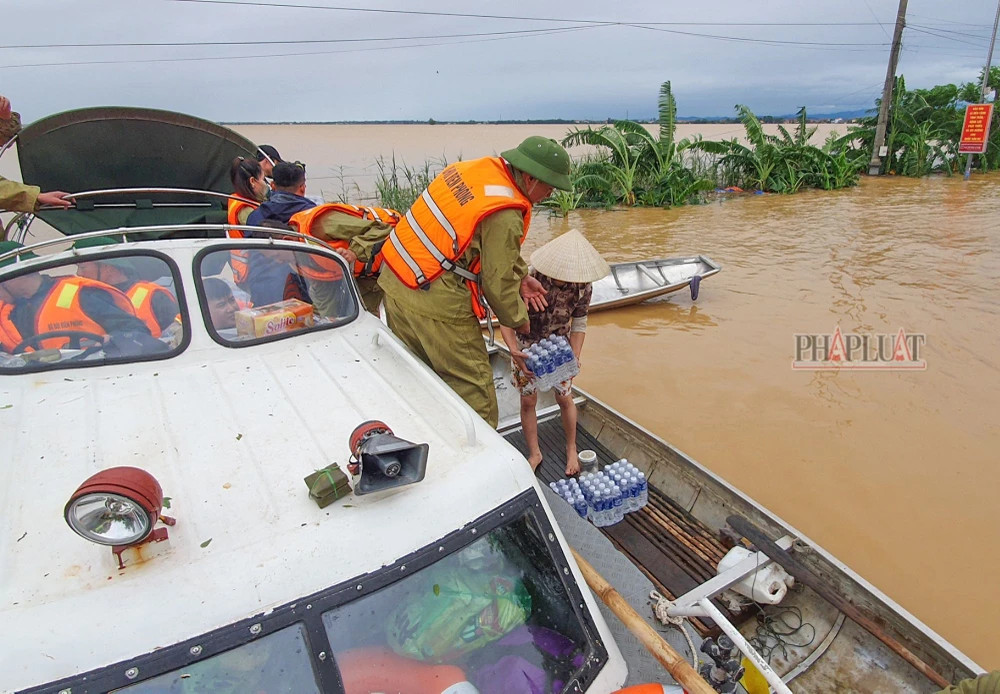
x,y
768,585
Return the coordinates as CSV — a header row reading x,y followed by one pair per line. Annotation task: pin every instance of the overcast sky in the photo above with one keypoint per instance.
x,y
580,71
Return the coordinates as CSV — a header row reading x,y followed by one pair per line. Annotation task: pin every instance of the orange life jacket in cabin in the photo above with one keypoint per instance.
x,y
239,259
61,311
437,230
141,295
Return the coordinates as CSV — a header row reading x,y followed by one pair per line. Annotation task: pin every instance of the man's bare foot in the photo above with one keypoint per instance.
x,y
572,464
535,460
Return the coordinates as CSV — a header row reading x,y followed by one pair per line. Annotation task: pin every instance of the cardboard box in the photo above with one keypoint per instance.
x,y
273,319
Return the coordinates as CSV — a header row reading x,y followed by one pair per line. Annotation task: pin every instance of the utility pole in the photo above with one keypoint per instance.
x,y
986,82
890,81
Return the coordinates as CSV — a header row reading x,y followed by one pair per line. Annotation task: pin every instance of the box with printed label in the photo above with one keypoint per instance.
x,y
274,319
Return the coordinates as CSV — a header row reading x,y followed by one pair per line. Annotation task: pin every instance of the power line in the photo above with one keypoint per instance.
x,y
288,42
429,13
744,39
286,55
981,37
876,19
944,36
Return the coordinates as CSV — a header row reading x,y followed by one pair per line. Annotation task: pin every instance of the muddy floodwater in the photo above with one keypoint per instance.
x,y
895,473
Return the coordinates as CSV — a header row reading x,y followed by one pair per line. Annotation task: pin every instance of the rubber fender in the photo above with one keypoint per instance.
x,y
375,670
695,285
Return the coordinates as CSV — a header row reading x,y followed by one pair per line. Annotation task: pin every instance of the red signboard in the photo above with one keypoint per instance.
x,y
976,129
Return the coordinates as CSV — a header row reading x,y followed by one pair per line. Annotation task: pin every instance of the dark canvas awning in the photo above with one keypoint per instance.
x,y
123,147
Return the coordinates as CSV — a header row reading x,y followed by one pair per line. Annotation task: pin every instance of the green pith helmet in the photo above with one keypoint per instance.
x,y
543,158
7,247
94,242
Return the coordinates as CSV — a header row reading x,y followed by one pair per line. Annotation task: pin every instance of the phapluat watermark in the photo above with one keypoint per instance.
x,y
869,352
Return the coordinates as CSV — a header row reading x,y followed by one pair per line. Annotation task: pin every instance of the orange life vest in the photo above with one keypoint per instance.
x,y
7,341
61,311
239,259
437,230
304,221
141,295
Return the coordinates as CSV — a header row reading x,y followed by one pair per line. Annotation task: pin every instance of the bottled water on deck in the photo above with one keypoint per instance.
x,y
643,490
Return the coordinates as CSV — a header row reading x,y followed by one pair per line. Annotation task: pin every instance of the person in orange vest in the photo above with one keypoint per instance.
x,y
154,304
357,234
69,304
458,248
249,191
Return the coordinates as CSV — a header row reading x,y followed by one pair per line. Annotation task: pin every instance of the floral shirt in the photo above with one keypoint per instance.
x,y
566,301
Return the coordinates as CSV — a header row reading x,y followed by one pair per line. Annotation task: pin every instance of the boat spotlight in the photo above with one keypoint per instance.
x,y
116,507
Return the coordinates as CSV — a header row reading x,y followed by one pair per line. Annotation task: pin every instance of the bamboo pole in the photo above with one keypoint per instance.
x,y
678,667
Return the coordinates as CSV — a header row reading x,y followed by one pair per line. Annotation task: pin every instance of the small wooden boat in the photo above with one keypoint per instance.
x,y
642,280
861,641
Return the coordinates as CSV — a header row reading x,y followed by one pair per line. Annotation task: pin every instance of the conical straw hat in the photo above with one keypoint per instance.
x,y
570,258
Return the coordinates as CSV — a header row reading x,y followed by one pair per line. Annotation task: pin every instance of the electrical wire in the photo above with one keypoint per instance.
x,y
165,44
949,38
283,55
430,13
876,19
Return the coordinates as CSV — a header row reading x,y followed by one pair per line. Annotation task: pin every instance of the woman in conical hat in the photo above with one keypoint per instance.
x,y
566,267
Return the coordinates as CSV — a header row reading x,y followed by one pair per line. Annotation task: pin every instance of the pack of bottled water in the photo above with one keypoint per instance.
x,y
571,493
605,497
552,361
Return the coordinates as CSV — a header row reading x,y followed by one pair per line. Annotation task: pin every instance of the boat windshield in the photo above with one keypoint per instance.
x,y
495,614
109,308
251,294
278,662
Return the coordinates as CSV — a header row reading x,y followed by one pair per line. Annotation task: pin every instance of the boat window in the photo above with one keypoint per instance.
x,y
496,614
260,293
275,664
109,308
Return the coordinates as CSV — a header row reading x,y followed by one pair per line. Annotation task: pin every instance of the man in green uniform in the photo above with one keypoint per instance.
x,y
984,684
14,196
438,323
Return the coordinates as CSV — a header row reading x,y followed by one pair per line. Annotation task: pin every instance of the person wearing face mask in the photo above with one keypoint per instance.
x,y
459,248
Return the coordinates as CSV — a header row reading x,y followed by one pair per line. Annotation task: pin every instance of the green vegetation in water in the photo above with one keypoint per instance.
x,y
924,128
398,185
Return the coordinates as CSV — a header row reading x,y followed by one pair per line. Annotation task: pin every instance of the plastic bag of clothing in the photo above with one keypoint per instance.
x,y
456,611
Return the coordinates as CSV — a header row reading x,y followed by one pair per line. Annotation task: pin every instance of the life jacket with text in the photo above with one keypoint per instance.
x,y
141,295
437,230
305,221
61,311
239,258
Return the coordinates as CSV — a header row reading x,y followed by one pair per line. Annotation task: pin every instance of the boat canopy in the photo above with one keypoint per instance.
x,y
111,148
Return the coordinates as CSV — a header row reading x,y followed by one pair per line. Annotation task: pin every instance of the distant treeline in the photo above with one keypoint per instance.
x,y
547,121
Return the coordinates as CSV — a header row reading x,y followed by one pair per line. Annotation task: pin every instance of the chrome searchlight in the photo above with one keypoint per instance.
x,y
117,507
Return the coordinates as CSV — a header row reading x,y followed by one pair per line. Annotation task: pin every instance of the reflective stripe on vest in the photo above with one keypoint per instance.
x,y
437,230
61,310
305,221
141,295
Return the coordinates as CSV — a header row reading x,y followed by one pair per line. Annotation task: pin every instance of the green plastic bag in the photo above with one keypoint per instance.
x,y
457,610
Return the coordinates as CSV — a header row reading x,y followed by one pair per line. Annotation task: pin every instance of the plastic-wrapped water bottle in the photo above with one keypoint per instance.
x,y
617,513
554,487
580,504
643,490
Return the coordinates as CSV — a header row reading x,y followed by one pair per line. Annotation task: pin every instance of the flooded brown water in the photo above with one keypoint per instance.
x,y
894,473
